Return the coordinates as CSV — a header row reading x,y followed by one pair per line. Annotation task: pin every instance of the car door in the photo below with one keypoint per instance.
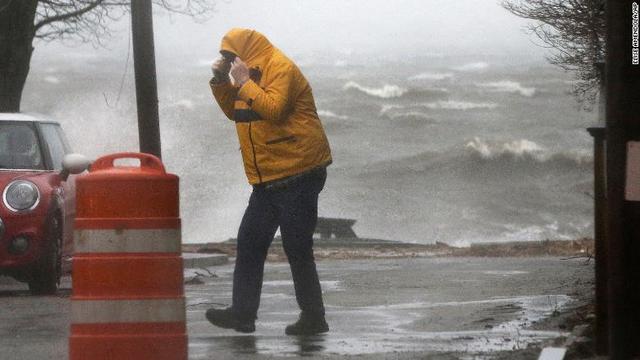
x,y
58,148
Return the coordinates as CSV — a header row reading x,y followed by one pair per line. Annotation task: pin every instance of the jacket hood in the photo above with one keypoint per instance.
x,y
251,46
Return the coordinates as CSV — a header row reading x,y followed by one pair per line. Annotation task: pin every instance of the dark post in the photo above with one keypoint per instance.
x,y
145,73
599,197
623,217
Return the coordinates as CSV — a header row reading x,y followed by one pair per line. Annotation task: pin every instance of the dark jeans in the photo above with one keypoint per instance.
x,y
294,208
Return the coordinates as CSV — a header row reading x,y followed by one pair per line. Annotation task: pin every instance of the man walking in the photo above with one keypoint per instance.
x,y
285,153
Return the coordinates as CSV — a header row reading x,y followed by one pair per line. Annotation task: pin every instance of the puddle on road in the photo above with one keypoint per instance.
x,y
385,329
389,328
408,324
326,285
342,344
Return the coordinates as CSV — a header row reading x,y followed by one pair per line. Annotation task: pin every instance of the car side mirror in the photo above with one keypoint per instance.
x,y
73,164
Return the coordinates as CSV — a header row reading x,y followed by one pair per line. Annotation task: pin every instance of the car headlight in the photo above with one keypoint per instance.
x,y
21,195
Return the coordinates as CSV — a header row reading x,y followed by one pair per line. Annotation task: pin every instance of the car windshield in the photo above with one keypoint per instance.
x,y
19,147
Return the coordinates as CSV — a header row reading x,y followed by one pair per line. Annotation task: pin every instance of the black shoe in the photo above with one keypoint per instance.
x,y
227,319
308,324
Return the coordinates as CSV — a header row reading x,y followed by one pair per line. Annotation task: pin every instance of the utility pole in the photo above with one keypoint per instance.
x,y
145,74
600,198
623,214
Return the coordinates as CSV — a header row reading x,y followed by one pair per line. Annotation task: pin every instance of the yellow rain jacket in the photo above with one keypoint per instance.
x,y
276,119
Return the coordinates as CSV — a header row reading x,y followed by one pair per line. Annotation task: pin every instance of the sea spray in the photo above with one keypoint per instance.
x,y
108,127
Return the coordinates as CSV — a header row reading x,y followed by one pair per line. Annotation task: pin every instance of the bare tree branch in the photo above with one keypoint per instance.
x,y
575,31
69,15
91,20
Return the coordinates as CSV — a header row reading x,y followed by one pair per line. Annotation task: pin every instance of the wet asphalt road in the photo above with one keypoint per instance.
x,y
377,309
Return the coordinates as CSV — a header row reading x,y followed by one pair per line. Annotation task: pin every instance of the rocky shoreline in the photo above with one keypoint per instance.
x,y
359,248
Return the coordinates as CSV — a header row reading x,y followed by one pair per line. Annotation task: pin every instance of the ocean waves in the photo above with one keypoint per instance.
x,y
411,115
474,66
508,86
331,114
394,111
524,150
495,160
431,76
441,149
390,91
384,92
486,190
459,105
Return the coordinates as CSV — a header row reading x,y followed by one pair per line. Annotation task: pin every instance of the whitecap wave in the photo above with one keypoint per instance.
x,y
517,148
433,90
509,87
331,114
385,92
410,114
52,79
389,107
431,76
459,105
523,149
474,66
438,105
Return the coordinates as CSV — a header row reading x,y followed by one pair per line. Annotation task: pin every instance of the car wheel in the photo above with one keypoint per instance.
x,y
46,276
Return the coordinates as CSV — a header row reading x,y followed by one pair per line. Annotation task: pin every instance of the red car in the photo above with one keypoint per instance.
x,y
38,200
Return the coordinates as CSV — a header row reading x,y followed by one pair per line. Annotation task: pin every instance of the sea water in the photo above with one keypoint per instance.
x,y
456,150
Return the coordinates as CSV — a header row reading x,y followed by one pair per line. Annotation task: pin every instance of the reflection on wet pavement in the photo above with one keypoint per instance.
x,y
395,306
243,345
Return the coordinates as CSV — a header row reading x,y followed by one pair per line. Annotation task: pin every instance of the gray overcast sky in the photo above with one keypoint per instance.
x,y
413,27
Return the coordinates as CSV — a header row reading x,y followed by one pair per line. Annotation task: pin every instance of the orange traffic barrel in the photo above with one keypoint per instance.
x,y
128,293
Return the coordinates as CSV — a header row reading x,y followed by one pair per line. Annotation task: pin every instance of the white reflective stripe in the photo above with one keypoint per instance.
x,y
127,241
127,311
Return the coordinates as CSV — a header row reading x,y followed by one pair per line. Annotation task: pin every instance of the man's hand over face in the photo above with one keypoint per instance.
x,y
239,72
221,65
